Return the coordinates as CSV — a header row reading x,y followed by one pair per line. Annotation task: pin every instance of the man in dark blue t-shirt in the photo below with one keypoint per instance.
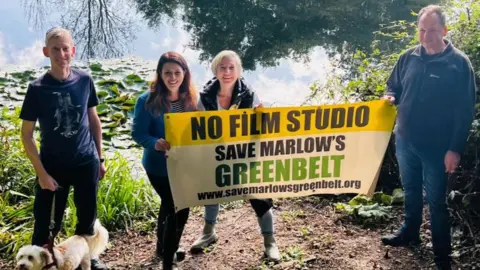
x,y
64,102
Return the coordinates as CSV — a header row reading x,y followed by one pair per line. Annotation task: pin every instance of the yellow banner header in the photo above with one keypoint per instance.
x,y
213,127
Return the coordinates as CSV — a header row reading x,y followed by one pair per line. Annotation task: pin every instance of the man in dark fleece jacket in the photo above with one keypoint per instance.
x,y
433,86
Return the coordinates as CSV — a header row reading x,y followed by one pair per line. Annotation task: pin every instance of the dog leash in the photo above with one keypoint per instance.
x,y
51,237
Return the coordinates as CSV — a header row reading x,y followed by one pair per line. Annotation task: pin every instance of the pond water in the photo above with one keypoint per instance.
x,y
285,45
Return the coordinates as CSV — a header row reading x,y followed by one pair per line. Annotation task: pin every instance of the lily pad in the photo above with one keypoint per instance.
x,y
112,125
3,80
121,144
102,93
133,78
124,130
107,143
21,91
117,116
127,108
96,67
114,89
122,98
107,82
131,100
124,137
109,133
15,97
103,109
105,119
24,76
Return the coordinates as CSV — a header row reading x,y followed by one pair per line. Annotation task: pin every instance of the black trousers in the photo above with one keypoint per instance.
x,y
170,225
84,180
261,206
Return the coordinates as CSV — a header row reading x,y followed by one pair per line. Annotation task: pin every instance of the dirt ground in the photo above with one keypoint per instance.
x,y
310,235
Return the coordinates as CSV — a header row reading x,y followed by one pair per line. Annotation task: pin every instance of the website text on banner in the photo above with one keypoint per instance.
x,y
223,156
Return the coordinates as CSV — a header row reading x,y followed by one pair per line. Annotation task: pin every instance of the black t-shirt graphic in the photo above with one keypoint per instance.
x,y
61,107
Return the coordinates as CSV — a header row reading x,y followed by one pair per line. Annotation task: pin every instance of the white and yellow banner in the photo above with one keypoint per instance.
x,y
221,156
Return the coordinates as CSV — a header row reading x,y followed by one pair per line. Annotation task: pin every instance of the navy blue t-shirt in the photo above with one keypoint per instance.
x,y
61,109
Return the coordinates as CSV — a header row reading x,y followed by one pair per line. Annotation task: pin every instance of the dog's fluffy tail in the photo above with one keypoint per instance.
x,y
97,242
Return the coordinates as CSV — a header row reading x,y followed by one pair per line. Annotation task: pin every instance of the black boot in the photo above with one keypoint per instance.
x,y
160,232
400,239
442,259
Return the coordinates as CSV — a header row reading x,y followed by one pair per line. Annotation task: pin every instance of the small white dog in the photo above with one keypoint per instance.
x,y
70,254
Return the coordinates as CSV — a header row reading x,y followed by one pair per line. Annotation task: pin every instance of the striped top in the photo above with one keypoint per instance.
x,y
177,106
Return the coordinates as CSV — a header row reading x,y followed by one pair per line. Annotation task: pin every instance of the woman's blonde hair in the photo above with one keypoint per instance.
x,y
230,54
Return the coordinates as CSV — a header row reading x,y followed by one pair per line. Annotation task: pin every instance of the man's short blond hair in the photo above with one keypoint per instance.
x,y
230,54
57,32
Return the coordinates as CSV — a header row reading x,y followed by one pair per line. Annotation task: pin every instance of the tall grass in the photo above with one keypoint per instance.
x,y
123,201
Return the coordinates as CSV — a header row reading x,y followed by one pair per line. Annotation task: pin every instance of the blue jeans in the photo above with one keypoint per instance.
x,y
424,167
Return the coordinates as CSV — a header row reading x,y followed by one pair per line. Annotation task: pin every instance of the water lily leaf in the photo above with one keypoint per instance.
x,y
117,116
131,100
105,118
24,76
123,137
110,133
127,108
14,97
132,79
107,82
96,67
125,129
121,144
109,99
114,89
135,78
3,81
21,91
122,98
107,143
112,125
102,93
103,109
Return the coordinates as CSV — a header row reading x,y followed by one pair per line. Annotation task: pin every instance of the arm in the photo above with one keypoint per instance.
x,y
464,109
140,126
394,83
44,179
95,125
95,128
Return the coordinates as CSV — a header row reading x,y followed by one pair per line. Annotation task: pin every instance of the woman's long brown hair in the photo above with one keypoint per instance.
x,y
157,101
